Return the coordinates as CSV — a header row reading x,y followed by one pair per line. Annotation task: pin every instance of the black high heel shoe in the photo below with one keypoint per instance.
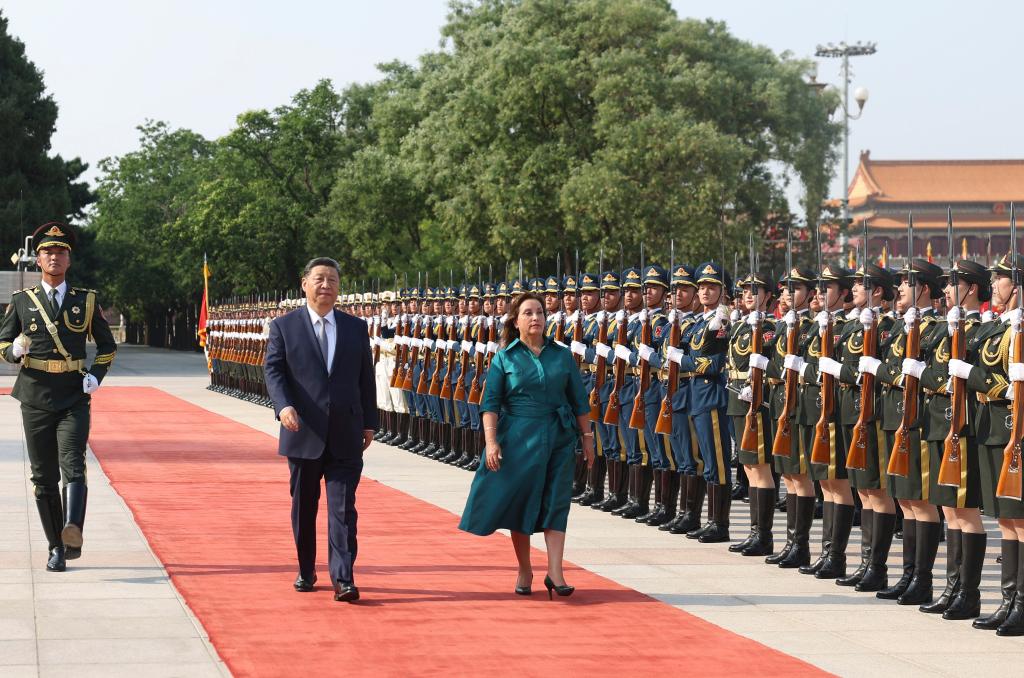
x,y
563,591
523,590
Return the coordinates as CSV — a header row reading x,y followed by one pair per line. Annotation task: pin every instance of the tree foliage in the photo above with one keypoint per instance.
x,y
538,127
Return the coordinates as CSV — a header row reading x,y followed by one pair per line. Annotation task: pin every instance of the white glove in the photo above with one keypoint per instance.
x,y
909,319
822,319
959,368
867,317
793,362
1009,393
645,352
603,350
829,366
643,315
790,317
754,318
622,352
913,368
89,383
467,346
417,343
620,316
675,355
987,316
20,346
735,315
868,365
953,316
719,320
481,347
492,347
601,316
578,347
1015,319
561,343
1016,372
746,394
672,316
758,361
450,321
556,317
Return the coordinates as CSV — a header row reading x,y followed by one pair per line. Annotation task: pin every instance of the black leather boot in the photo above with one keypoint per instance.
x,y
410,437
827,511
595,483
1008,549
719,531
954,554
658,507
763,543
579,477
1013,625
835,562
711,489
909,557
867,519
669,499
619,491
612,468
876,577
920,589
800,554
790,502
693,493
740,546
76,495
433,436
644,481
967,602
632,473
51,514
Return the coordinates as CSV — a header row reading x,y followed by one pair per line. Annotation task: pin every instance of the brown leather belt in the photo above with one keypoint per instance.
x,y
982,398
52,366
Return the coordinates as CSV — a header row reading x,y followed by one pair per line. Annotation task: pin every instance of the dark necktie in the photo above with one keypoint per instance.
x,y
54,306
322,339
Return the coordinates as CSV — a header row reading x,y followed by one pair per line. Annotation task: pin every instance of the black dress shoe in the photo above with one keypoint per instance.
x,y
303,585
56,563
346,593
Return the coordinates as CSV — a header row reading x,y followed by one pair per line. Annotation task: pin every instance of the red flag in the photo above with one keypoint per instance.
x,y
204,310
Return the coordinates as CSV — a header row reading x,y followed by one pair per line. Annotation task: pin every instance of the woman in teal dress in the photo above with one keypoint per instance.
x,y
533,409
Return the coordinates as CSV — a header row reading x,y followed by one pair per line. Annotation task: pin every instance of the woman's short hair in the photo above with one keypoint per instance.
x,y
510,332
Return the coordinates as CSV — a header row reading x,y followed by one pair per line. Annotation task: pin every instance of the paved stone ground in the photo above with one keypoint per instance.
x,y
91,618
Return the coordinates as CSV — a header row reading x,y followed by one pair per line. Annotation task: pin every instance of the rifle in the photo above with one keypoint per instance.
x,y
600,364
638,417
476,389
560,323
460,388
899,460
446,390
951,468
401,330
821,450
783,443
752,426
664,423
423,385
417,335
856,456
611,415
1009,485
577,329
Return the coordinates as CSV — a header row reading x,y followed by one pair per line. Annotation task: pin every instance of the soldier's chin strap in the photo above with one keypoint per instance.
x,y
52,329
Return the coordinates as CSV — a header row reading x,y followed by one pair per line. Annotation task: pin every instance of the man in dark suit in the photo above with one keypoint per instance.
x,y
320,377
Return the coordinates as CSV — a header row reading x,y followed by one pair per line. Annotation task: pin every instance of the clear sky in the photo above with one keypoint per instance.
x,y
944,83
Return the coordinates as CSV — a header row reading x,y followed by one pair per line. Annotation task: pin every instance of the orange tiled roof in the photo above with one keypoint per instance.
x,y
937,222
939,181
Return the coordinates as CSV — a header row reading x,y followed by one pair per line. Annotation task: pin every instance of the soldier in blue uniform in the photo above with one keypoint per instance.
x,y
706,345
610,440
589,301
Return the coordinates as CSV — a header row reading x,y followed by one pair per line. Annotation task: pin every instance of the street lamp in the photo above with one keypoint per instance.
x,y
860,95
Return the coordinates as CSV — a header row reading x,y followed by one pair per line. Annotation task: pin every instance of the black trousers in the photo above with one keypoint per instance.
x,y
341,477
56,444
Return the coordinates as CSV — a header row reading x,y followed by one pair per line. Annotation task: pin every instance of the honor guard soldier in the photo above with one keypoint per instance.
x,y
758,291
683,439
45,330
921,527
706,347
589,301
600,356
992,378
967,287
552,305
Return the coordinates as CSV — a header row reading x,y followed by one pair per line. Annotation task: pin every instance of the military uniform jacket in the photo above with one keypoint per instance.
x,y
79,319
810,392
776,370
935,378
740,338
989,380
890,373
849,349
706,354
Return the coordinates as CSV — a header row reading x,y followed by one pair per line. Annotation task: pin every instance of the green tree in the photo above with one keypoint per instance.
x,y
35,187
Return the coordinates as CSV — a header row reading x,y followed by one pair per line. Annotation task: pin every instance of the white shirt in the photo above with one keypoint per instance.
x,y
332,333
61,291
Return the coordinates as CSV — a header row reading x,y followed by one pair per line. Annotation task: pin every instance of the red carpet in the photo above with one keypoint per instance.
x,y
211,496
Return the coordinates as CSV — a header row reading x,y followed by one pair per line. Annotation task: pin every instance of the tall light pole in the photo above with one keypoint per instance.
x,y
860,95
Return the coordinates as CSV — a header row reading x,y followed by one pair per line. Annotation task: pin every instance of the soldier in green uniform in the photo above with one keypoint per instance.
x,y
45,330
921,527
965,537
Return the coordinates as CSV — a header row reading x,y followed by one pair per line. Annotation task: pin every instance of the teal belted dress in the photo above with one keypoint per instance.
x,y
537,400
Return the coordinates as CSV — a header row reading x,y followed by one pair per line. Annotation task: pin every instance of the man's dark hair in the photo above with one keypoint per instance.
x,y
321,261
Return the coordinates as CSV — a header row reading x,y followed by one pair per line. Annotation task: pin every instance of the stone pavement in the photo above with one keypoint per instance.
x,y
91,618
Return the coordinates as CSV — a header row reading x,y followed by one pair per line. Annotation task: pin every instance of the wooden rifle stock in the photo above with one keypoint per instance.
x,y
446,389
492,338
821,450
899,460
423,385
601,366
417,333
376,335
752,425
1009,485
783,444
476,391
664,425
398,375
638,418
577,335
951,468
611,415
460,388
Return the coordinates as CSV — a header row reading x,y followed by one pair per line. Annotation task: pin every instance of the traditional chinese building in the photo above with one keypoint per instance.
x,y
979,192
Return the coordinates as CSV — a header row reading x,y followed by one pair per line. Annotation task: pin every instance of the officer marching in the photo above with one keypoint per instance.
x,y
45,330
